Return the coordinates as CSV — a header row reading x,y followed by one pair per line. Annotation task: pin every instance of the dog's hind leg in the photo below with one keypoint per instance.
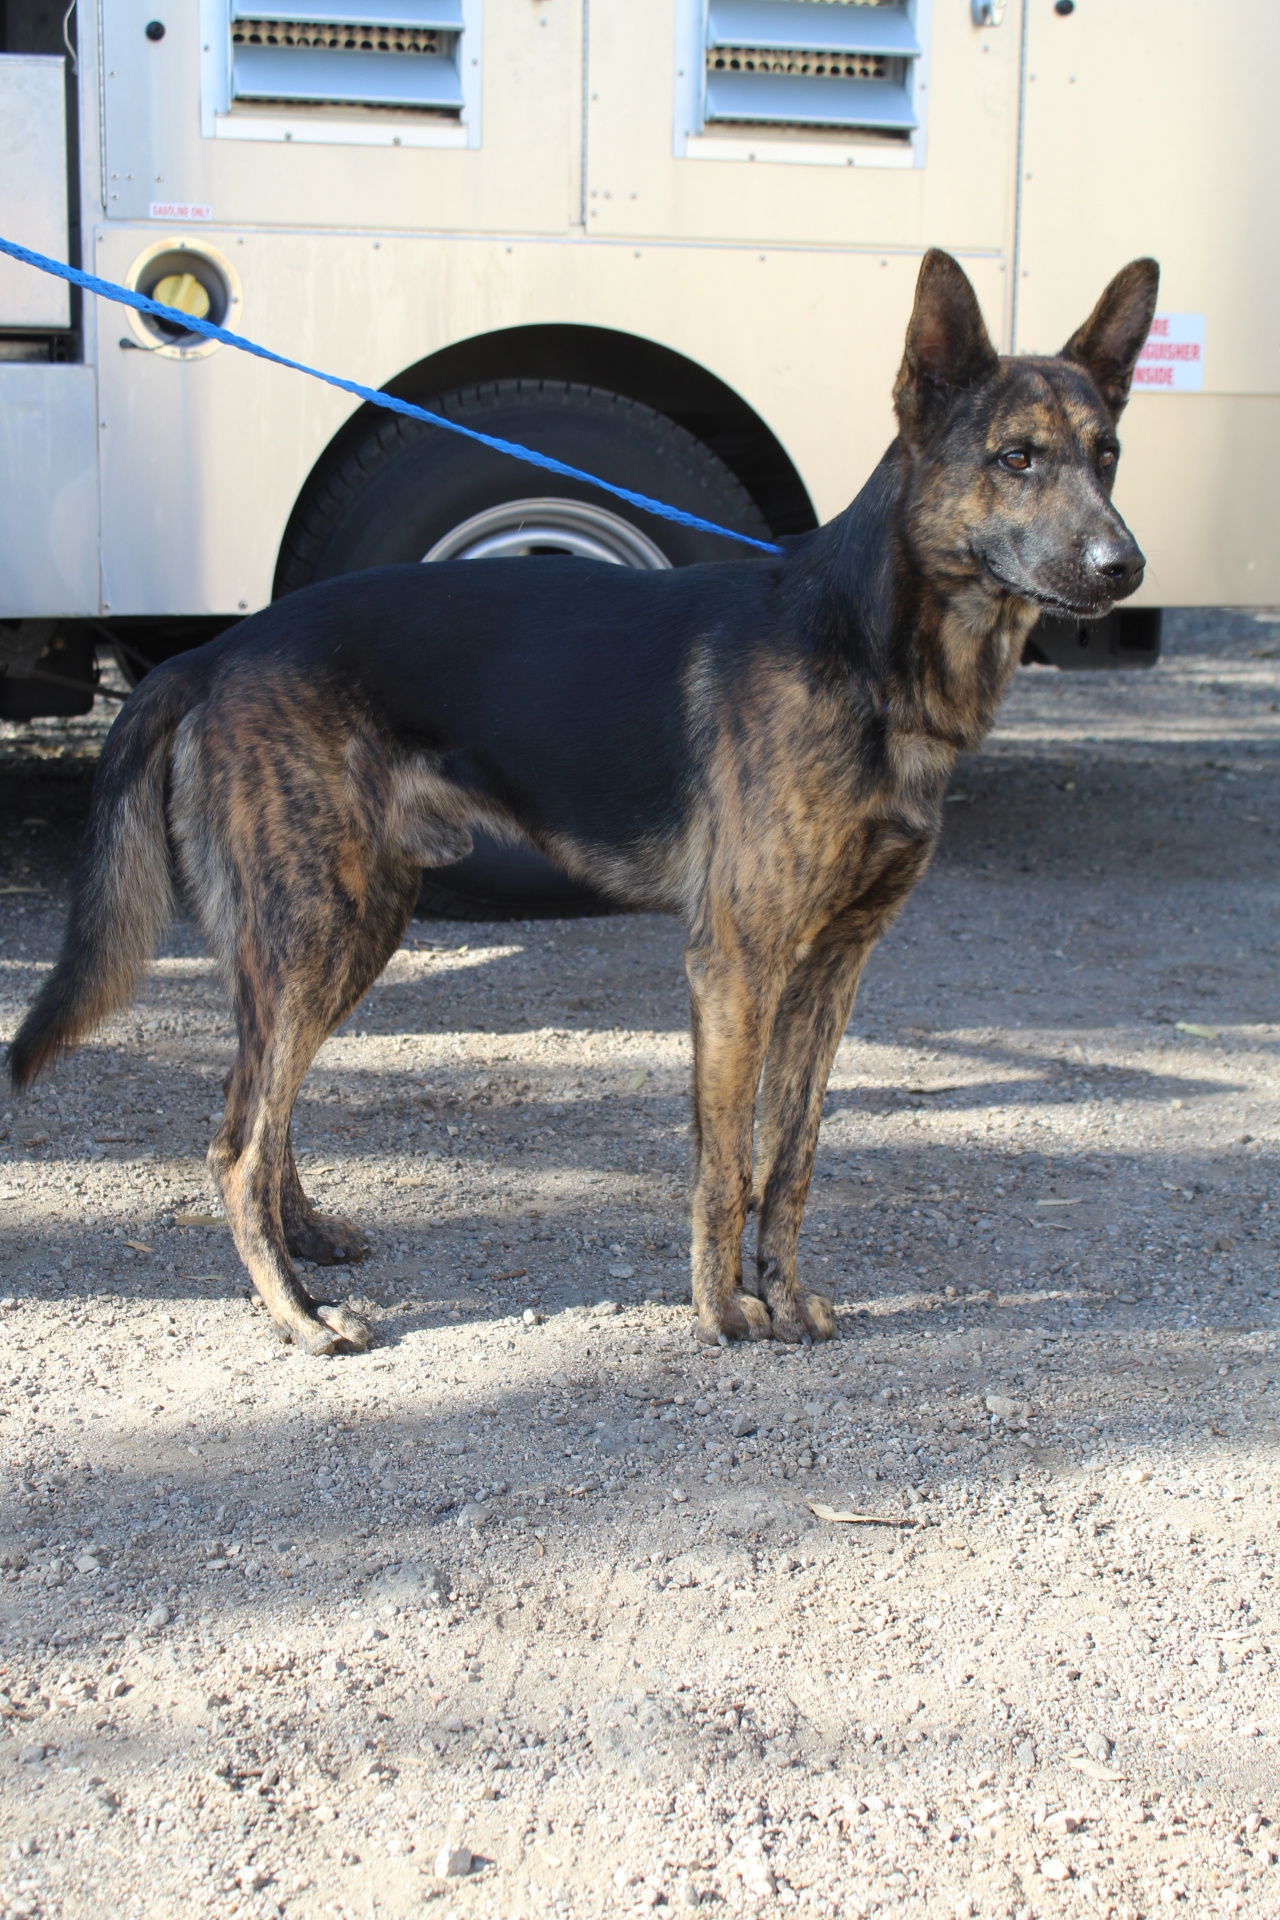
x,y
732,1014
327,1239
282,1021
323,1238
281,812
247,1160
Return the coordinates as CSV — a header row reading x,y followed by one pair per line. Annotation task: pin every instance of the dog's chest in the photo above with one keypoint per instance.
x,y
917,768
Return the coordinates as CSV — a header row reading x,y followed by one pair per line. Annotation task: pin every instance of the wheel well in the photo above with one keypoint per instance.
x,y
619,363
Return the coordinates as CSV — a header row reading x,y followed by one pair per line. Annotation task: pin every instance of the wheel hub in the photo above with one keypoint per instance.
x,y
520,529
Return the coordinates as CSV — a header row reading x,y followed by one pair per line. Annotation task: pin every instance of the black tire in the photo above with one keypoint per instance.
x,y
404,491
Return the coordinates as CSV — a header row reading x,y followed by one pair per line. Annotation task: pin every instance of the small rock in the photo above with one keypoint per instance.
x,y
1052,1869
88,1563
603,1308
474,1514
1006,1409
531,1318
113,1689
622,1273
1099,1746
743,1424
452,1863
679,1496
1025,1755
157,1618
13,1556
32,1756
331,1666
754,1871
1060,1823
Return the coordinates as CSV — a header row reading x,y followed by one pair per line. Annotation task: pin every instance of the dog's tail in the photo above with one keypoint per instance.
x,y
122,898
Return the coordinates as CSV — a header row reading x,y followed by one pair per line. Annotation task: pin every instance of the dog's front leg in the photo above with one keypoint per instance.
x,y
732,1014
812,1016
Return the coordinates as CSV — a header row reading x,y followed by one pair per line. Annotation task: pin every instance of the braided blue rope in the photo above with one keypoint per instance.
x,y
126,297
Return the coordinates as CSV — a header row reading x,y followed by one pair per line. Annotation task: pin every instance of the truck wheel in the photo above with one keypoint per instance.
x,y
406,491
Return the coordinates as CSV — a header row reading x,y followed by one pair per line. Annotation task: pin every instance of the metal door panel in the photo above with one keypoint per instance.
x,y
49,485
33,188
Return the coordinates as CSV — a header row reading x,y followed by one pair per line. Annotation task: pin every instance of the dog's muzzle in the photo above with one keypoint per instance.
x,y
1115,564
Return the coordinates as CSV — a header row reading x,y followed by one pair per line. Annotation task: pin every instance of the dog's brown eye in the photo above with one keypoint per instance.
x,y
1016,459
1107,459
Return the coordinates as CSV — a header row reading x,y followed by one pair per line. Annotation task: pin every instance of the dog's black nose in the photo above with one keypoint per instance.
x,y
1118,560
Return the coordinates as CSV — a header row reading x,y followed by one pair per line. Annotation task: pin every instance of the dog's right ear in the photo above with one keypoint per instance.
x,y
948,348
1108,344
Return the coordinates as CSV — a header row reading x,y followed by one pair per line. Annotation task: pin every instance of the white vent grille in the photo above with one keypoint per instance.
x,y
401,54
346,38
825,66
840,65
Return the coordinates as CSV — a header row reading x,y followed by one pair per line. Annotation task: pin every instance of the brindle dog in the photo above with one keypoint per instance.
x,y
761,746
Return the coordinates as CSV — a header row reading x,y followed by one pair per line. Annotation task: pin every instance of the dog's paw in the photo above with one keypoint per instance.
x,y
801,1317
327,1240
335,1330
742,1317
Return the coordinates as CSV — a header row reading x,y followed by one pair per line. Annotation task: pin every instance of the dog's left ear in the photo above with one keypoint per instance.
x,y
948,348
1108,344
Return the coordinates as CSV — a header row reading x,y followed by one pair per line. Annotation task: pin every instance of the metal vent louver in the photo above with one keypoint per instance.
x,y
400,53
826,64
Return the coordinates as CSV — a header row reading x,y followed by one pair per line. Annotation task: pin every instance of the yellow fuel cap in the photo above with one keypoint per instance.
x,y
183,291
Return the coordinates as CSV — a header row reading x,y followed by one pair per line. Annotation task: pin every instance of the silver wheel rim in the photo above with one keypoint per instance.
x,y
517,529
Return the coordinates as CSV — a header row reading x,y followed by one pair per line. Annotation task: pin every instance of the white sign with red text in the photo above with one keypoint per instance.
x,y
180,210
1173,359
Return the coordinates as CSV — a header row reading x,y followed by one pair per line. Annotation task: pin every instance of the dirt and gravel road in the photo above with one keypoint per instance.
x,y
533,1589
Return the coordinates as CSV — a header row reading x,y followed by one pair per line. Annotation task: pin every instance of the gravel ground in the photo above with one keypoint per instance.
x,y
533,1589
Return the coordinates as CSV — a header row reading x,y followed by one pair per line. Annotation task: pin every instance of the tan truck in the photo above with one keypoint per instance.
x,y
673,241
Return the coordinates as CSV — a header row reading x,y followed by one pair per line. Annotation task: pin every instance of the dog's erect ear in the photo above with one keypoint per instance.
x,y
1108,344
948,348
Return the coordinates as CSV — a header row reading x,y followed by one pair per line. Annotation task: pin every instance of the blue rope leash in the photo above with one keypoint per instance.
x,y
125,297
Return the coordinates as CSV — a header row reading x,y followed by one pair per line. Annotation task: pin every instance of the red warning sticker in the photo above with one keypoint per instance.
x,y
1173,359
180,210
